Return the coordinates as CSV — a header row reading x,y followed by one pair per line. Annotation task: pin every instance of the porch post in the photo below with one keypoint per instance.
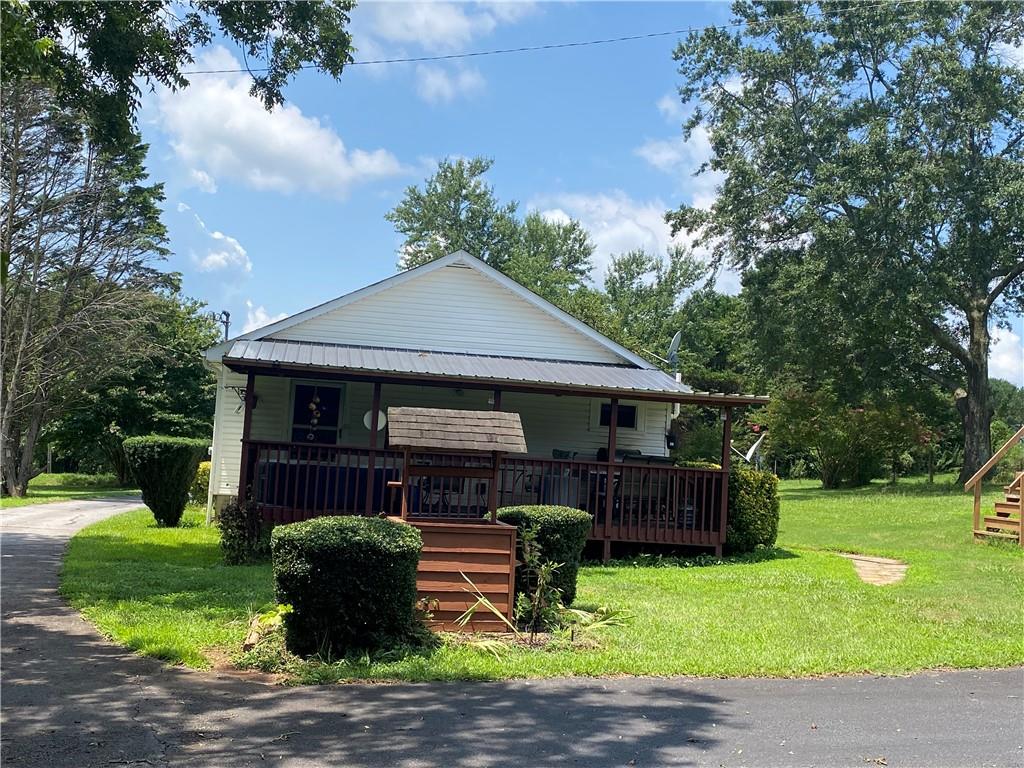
x,y
243,470
371,460
609,485
497,400
492,490
726,458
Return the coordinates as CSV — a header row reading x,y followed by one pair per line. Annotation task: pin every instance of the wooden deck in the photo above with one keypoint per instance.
x,y
630,502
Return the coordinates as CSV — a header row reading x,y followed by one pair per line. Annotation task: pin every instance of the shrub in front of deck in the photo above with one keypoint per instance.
x,y
163,468
351,582
753,510
200,488
561,533
244,537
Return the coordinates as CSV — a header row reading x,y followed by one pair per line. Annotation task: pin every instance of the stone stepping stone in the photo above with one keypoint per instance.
x,y
877,570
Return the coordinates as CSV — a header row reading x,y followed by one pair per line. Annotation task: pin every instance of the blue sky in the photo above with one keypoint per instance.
x,y
270,213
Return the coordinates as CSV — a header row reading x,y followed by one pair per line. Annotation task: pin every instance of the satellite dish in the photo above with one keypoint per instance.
x,y
673,348
382,420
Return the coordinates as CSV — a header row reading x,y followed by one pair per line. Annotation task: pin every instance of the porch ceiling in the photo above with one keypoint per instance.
x,y
428,366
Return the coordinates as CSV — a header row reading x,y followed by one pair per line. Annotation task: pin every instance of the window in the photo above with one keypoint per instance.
x,y
316,413
626,419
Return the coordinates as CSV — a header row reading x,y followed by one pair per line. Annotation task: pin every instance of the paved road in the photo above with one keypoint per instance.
x,y
72,699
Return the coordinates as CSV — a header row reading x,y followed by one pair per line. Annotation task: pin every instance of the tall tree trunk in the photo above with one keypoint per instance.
x,y
975,409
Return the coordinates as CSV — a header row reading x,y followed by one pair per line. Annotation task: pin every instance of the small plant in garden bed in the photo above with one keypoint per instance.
x,y
541,619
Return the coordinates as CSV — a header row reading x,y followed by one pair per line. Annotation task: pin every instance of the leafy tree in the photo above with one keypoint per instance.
x,y
1007,403
874,184
456,209
551,258
83,233
849,446
93,55
716,352
168,392
644,294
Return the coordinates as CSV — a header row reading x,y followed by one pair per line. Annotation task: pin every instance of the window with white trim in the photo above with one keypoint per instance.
x,y
630,416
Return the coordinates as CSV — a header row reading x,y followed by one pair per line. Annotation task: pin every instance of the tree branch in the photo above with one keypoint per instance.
x,y
1003,284
944,340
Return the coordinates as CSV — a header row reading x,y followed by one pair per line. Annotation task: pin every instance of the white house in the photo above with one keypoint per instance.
x,y
301,429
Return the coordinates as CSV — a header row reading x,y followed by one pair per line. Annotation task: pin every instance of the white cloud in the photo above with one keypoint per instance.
x,y
396,30
435,85
618,223
219,131
202,180
230,254
681,159
1006,356
441,26
257,317
671,107
224,252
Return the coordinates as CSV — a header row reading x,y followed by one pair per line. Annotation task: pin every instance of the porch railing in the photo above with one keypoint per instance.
x,y
629,502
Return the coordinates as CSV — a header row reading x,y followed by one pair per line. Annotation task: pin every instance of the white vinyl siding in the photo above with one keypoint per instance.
x,y
452,309
227,435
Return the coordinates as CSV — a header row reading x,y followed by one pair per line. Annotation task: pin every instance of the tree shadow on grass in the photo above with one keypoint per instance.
x,y
670,560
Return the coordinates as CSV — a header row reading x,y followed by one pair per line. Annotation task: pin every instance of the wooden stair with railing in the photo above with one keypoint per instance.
x,y
1006,523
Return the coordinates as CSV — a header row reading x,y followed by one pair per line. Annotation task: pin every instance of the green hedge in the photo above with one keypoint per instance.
x,y
351,582
561,535
164,467
753,510
199,492
244,537
698,464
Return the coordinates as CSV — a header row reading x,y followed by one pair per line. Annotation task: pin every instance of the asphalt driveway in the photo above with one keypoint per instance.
x,y
69,698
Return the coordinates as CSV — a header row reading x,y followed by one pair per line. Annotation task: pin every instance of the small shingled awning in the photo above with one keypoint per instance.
x,y
441,429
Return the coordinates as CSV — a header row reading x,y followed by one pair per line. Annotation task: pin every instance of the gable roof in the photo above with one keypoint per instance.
x,y
458,258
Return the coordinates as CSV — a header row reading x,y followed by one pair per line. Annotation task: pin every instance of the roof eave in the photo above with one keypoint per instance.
x,y
362,374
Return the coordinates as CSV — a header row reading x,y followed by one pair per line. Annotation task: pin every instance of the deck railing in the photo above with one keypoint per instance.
x,y
628,501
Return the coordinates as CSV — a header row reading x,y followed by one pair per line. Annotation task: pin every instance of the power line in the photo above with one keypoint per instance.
x,y
559,46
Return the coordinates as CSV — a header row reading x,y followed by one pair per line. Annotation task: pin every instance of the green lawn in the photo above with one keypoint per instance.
x,y
164,593
62,487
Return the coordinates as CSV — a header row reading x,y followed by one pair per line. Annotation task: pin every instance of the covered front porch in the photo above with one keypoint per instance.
x,y
598,448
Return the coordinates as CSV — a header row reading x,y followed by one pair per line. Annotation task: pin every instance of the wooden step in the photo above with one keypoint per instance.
x,y
1013,497
996,535
1007,507
1002,523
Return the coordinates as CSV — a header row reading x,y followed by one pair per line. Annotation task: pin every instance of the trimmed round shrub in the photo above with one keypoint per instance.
x,y
561,533
351,582
163,468
200,489
753,510
244,537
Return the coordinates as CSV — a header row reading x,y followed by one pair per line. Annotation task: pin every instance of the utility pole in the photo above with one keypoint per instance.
x,y
224,318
